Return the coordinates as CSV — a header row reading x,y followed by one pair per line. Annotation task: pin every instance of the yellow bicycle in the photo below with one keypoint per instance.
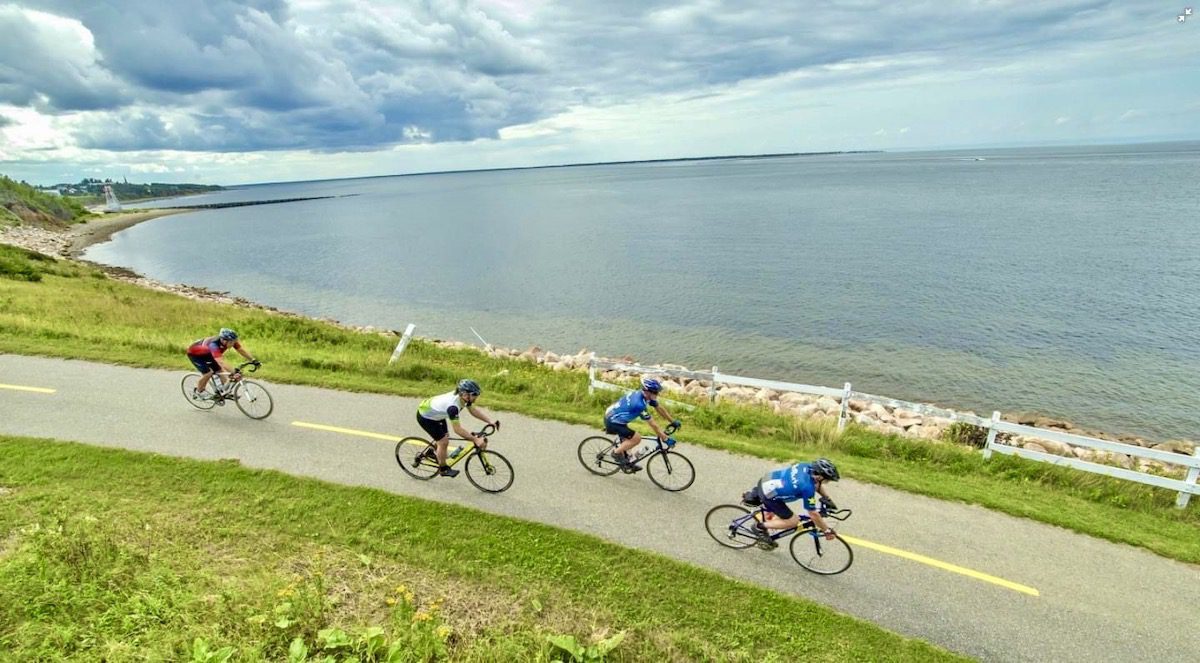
x,y
487,470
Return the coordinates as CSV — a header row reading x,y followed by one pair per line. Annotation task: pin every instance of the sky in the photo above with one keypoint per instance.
x,y
233,92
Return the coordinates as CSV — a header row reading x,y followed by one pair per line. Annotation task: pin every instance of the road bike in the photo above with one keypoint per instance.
x,y
251,397
733,526
487,470
667,468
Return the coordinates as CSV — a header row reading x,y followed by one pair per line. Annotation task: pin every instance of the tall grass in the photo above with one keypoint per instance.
x,y
70,310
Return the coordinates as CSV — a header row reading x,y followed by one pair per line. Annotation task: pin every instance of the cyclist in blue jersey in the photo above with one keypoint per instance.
x,y
802,481
634,405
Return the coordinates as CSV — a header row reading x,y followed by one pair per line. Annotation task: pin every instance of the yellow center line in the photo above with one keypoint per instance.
x,y
36,390
347,431
945,566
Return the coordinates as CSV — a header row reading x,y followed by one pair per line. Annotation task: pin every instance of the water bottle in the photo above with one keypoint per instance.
x,y
457,450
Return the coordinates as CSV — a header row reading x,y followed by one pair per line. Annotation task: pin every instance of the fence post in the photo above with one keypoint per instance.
x,y
845,407
404,339
592,374
712,387
991,438
1192,475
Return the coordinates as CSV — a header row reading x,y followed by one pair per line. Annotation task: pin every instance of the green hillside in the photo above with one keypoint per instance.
x,y
22,203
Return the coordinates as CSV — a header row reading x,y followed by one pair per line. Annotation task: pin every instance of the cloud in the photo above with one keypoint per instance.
x,y
646,77
1061,120
1131,114
51,63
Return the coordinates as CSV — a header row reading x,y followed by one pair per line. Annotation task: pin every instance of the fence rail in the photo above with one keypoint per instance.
x,y
995,425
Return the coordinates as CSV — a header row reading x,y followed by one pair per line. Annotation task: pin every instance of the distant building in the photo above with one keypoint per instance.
x,y
50,192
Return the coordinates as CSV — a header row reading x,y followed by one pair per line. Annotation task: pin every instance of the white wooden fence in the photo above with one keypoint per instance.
x,y
1185,487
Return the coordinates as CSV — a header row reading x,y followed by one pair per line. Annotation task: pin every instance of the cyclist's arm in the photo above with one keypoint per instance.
x,y
657,430
815,515
479,414
243,352
463,432
662,409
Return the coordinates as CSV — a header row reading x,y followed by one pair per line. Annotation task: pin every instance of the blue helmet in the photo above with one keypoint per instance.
x,y
651,385
228,334
469,387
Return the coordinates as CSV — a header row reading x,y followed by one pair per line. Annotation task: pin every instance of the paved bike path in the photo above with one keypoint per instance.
x,y
1097,600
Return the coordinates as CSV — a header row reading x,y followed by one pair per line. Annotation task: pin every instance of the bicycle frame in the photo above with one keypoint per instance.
x,y
745,524
658,449
226,385
469,449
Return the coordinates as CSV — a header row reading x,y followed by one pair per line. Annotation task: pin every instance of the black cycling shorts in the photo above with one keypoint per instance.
x,y
613,428
436,429
775,506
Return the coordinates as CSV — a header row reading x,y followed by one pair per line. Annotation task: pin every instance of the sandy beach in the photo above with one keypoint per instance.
x,y
70,242
102,229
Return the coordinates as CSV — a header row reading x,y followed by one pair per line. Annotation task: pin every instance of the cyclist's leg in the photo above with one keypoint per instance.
x,y
439,432
207,366
629,439
784,517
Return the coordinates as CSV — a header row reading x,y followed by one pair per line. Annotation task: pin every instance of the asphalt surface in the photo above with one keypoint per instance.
x,y
1095,601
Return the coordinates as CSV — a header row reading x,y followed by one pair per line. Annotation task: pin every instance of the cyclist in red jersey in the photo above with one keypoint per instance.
x,y
207,355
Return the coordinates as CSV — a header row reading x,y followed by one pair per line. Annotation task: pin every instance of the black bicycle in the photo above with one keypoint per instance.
x,y
733,526
487,470
251,397
668,469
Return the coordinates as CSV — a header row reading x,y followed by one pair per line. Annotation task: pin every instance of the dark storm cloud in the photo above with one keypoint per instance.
x,y
243,76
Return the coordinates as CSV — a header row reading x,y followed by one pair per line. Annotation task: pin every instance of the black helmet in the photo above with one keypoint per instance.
x,y
228,334
823,468
469,387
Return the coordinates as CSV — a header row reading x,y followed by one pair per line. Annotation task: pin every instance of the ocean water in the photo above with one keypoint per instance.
x,y
1063,281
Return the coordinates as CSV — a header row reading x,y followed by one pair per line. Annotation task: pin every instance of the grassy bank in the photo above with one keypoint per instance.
x,y
67,310
120,555
22,203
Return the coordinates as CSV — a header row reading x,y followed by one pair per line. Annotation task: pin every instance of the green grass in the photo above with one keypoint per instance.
x,y
74,311
116,555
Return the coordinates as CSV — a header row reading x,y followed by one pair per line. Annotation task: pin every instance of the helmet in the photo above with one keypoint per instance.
x,y
651,385
823,468
469,387
228,334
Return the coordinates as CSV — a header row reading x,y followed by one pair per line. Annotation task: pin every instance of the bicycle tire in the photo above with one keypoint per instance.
x,y
807,549
719,521
671,471
188,383
408,457
495,473
593,455
253,399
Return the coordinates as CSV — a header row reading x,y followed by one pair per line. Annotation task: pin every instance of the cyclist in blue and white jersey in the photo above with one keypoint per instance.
x,y
802,481
634,405
435,411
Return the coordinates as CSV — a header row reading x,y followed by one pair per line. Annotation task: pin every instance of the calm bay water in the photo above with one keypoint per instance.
x,y
1064,281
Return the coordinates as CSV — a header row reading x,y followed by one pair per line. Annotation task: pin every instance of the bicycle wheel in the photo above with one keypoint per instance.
x,y
189,383
489,471
729,525
593,454
671,470
253,399
417,457
816,554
